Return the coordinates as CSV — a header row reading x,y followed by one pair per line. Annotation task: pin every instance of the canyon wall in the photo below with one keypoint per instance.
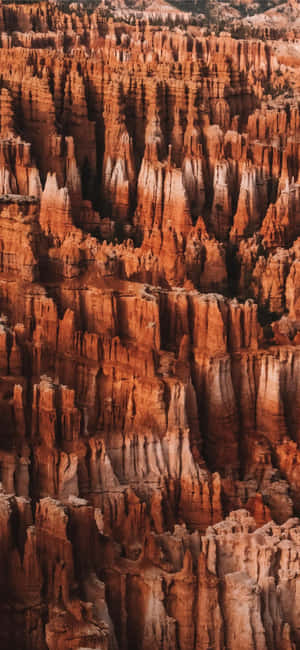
x,y
149,337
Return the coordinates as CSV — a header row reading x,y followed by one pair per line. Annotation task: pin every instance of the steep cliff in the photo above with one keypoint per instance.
x,y
149,335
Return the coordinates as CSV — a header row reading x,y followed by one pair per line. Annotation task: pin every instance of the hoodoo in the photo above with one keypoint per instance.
x,y
149,325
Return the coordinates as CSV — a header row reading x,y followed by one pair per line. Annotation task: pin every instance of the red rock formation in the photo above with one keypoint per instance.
x,y
149,334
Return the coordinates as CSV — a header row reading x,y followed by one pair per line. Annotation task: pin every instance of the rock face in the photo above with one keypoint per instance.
x,y
149,335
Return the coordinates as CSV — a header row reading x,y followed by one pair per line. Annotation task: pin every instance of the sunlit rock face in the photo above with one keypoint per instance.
x,y
149,331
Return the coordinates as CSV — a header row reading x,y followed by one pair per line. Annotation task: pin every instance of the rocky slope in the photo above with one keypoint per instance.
x,y
149,336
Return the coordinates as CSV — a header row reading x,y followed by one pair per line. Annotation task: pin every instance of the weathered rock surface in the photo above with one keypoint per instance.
x,y
149,336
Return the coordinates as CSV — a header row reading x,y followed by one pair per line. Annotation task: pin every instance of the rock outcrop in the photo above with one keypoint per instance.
x,y
149,334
